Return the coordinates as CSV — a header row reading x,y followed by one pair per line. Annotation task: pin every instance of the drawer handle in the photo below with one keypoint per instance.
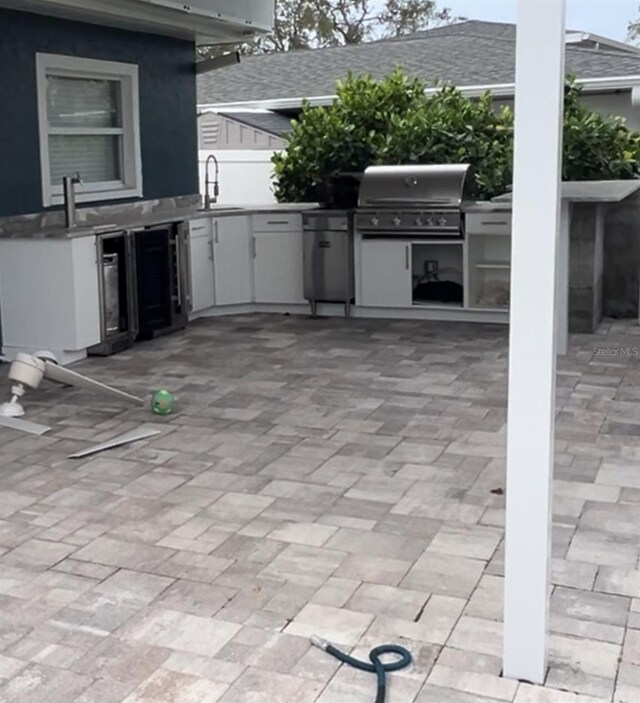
x,y
406,257
197,229
277,222
494,222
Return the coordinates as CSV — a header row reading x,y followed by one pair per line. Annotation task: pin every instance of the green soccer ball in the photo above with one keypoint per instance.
x,y
162,402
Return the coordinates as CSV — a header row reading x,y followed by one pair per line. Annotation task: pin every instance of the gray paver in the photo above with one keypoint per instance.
x,y
319,476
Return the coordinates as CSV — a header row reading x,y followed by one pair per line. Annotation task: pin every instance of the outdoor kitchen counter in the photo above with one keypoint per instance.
x,y
589,191
572,193
111,224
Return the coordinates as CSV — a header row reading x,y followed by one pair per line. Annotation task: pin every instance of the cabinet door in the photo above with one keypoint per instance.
x,y
385,273
233,261
202,288
278,267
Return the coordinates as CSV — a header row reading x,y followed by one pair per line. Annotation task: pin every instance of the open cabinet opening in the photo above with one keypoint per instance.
x,y
437,274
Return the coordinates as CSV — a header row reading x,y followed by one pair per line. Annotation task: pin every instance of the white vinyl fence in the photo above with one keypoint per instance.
x,y
245,176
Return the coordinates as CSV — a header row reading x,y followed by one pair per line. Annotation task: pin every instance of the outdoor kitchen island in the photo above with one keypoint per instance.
x,y
414,247
464,278
252,259
421,246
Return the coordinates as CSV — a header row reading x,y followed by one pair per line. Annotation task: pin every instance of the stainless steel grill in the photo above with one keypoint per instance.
x,y
412,200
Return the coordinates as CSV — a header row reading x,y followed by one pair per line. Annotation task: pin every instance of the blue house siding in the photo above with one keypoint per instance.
x,y
168,120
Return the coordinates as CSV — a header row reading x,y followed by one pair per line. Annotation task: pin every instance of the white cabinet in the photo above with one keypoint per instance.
x,y
202,284
221,255
233,260
385,266
49,295
278,267
489,274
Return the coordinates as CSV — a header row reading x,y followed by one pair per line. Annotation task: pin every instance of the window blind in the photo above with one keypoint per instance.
x,y
82,102
96,158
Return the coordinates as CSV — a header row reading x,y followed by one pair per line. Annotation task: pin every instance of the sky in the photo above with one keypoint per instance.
x,y
606,17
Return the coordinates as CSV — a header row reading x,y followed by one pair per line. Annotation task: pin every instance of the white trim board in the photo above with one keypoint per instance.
x,y
158,17
131,153
610,84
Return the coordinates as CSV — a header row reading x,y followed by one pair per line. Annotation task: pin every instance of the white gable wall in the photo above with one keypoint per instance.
x,y
618,104
220,132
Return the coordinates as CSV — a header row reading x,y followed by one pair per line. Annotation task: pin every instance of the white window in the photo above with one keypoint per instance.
x,y
89,125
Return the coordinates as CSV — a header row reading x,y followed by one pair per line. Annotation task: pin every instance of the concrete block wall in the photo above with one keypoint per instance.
x,y
586,267
622,259
605,263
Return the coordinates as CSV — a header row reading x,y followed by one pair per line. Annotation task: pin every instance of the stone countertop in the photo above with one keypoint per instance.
x,y
589,191
487,206
227,210
152,219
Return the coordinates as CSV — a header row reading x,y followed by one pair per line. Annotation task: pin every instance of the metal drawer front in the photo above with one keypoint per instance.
x,y
488,223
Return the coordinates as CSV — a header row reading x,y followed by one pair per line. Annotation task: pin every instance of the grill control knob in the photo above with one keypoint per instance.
x,y
374,221
429,222
397,221
418,222
442,221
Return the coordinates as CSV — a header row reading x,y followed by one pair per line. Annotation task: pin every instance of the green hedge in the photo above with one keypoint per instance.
x,y
392,121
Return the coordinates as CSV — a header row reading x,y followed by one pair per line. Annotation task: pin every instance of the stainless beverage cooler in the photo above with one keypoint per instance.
x,y
111,293
116,278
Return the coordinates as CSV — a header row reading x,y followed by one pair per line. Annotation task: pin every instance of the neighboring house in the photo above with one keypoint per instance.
x,y
473,55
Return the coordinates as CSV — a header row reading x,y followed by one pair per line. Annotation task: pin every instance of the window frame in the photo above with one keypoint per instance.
x,y
131,153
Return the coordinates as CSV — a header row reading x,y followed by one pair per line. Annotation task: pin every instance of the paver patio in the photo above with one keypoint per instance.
x,y
334,477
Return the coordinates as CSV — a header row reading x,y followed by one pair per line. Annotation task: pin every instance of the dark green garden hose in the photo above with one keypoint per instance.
x,y
376,666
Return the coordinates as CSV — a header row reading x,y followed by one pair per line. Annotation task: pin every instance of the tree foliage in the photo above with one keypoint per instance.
x,y
308,24
393,122
633,30
596,147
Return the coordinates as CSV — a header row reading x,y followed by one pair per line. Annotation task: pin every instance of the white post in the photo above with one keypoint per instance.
x,y
532,362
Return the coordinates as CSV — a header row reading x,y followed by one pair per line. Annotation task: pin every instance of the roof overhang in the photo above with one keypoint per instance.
x,y
600,41
498,90
204,21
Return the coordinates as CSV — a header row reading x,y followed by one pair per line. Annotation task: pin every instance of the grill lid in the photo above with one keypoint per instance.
x,y
413,186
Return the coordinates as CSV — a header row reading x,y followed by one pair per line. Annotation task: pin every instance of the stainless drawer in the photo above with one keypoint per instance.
x,y
277,222
488,223
325,223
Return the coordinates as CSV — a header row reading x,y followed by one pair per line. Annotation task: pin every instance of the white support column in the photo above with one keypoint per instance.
x,y
532,363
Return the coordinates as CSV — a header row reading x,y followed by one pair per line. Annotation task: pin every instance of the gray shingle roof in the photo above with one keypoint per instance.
x,y
270,122
465,54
